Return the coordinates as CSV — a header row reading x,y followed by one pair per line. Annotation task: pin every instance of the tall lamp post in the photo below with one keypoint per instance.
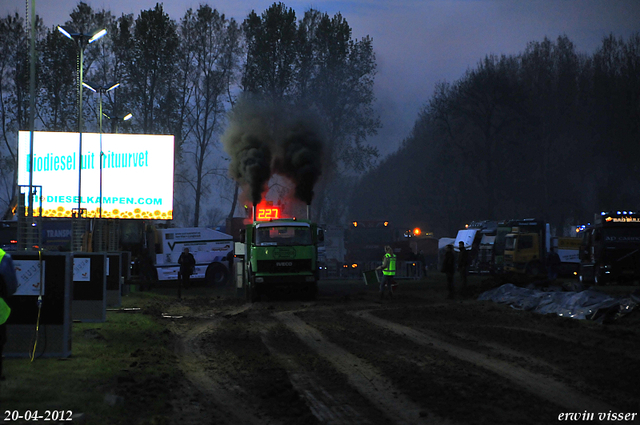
x,y
100,90
118,118
82,40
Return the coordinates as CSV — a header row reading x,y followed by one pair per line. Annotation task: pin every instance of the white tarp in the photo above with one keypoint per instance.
x,y
588,304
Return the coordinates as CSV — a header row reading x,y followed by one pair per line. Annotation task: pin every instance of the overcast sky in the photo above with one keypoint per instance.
x,y
417,42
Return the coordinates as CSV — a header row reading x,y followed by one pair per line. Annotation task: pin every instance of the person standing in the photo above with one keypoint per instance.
x,y
422,265
8,286
553,264
463,264
449,268
187,263
388,268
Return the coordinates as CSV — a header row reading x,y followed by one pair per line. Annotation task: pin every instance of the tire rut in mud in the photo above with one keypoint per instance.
x,y
261,385
539,385
434,380
362,376
589,358
206,397
327,392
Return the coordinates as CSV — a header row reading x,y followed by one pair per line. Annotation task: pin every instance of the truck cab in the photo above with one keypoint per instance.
x,y
281,253
610,249
526,247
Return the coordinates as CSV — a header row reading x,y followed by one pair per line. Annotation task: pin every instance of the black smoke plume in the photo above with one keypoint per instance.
x,y
300,158
265,140
247,142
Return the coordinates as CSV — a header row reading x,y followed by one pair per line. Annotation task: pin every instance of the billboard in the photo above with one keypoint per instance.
x,y
137,174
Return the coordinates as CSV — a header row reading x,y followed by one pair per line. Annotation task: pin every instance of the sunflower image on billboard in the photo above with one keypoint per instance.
x,y
136,170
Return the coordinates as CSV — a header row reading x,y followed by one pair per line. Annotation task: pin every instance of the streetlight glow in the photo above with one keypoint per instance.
x,y
89,87
100,89
65,32
98,35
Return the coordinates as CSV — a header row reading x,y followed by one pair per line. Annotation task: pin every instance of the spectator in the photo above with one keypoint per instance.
x,y
463,264
187,264
553,264
449,267
8,286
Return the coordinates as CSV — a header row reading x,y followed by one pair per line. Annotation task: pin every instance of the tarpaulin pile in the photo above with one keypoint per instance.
x,y
587,304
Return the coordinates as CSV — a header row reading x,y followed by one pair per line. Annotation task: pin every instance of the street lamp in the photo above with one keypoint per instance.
x,y
118,118
100,90
82,40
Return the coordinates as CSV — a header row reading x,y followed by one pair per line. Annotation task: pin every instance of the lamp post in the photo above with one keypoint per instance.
x,y
117,118
82,40
100,90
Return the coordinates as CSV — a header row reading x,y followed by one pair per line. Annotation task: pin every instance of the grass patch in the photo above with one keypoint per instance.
x,y
115,368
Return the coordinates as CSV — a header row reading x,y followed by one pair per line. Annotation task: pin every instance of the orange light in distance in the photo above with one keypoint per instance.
x,y
417,231
355,224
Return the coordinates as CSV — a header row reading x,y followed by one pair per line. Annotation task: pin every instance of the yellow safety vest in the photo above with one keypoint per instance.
x,y
391,271
5,310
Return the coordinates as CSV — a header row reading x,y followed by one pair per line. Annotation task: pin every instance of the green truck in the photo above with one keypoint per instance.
x,y
280,254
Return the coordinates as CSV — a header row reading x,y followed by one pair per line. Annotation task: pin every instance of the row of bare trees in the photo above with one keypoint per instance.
x,y
547,133
182,78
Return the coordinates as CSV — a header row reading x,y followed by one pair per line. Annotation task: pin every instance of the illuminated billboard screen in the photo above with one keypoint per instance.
x,y
137,174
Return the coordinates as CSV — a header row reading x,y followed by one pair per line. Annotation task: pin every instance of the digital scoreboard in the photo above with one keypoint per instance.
x,y
267,212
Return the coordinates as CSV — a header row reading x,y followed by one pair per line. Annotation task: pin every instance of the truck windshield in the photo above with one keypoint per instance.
x,y
509,243
621,235
283,235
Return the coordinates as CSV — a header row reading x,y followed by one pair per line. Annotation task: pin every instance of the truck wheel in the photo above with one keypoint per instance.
x,y
216,274
252,291
599,277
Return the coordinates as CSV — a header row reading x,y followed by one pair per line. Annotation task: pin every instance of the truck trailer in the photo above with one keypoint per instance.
x,y
212,250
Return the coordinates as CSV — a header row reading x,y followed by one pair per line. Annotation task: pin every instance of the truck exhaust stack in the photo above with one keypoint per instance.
x,y
308,212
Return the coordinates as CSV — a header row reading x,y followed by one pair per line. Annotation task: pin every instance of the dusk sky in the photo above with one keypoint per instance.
x,y
417,42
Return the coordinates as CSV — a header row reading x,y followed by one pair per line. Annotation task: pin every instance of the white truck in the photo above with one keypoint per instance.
x,y
212,250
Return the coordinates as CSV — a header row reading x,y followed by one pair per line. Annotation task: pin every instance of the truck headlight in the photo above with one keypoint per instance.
x,y
259,279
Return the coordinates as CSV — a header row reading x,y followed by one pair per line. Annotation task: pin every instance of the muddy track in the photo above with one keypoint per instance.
x,y
361,375
342,362
541,385
327,405
212,398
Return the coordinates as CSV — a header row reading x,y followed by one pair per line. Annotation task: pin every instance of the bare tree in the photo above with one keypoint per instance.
x,y
214,52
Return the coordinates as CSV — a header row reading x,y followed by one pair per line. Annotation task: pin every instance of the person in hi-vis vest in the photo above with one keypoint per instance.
x,y
388,268
8,286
